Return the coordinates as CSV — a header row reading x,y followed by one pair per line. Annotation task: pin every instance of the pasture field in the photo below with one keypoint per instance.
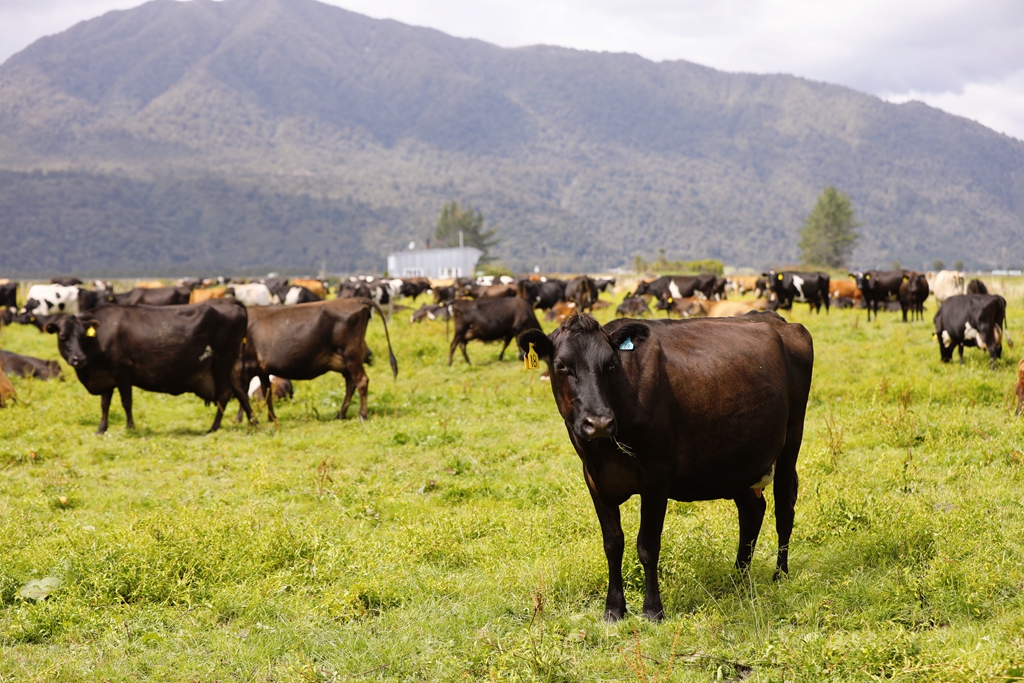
x,y
450,537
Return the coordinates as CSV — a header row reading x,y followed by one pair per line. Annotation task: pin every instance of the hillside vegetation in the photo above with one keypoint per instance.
x,y
304,115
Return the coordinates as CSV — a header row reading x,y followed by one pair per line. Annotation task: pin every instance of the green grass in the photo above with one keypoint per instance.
x,y
450,536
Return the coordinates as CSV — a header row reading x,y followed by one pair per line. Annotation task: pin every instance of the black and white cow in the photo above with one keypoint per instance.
x,y
50,299
972,320
806,288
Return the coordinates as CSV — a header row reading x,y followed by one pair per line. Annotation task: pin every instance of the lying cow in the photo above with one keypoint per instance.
x,y
167,349
684,410
16,365
725,309
489,320
972,320
308,340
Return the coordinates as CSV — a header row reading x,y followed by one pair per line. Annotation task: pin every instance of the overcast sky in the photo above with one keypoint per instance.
x,y
963,56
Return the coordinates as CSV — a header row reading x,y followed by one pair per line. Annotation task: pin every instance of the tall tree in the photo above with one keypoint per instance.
x,y
828,238
455,218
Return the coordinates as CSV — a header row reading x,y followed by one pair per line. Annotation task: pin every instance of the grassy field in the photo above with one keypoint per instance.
x,y
451,537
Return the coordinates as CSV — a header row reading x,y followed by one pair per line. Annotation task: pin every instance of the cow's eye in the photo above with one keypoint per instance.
x,y
561,367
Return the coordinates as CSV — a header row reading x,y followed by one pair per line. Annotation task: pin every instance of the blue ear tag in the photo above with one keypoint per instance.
x,y
626,345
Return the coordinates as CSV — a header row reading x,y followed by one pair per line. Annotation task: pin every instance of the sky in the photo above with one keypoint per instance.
x,y
963,56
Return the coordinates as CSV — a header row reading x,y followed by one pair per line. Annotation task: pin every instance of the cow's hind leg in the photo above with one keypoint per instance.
x,y
751,509
786,484
648,547
105,399
126,402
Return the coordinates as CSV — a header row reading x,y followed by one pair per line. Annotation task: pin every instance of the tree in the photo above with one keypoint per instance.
x,y
828,238
470,222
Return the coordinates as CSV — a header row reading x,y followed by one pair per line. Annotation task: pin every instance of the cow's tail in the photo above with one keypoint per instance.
x,y
391,354
446,321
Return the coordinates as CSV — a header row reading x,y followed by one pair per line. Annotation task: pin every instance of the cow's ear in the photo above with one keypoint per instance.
x,y
625,338
90,327
541,344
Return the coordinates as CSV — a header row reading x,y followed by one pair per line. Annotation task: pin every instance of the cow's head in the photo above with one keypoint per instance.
x,y
865,282
584,361
75,337
642,287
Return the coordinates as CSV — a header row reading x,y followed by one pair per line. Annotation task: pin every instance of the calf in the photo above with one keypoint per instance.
x,y
167,349
308,340
879,287
683,410
972,320
913,293
489,320
632,307
27,366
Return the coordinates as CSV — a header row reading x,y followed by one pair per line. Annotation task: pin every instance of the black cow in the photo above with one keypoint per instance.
x,y
543,295
6,316
167,349
9,295
38,321
878,287
976,287
632,307
581,291
65,281
678,286
157,296
489,320
913,293
792,286
309,340
972,320
445,295
26,366
686,410
604,284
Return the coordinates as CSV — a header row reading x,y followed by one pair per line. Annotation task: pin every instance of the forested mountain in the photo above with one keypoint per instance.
x,y
249,134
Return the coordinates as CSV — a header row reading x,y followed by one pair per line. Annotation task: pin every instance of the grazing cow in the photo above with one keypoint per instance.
x,y
684,410
167,349
9,295
976,287
283,388
430,312
677,286
253,294
26,366
308,340
542,294
913,293
632,307
741,284
49,299
809,288
581,291
945,283
489,320
839,289
724,309
198,296
65,281
490,291
604,284
7,393
1019,389
878,287
972,320
154,296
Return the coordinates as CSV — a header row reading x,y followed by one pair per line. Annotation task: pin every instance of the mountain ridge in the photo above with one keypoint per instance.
x,y
577,157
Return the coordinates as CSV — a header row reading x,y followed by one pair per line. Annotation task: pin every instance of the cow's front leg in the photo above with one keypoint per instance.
x,y
648,547
105,399
614,544
126,402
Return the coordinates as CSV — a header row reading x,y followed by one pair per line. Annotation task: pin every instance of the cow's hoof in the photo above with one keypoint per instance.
x,y
779,575
655,615
613,614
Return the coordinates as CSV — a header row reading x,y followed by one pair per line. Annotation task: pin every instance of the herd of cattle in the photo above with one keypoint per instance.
x,y
220,339
629,391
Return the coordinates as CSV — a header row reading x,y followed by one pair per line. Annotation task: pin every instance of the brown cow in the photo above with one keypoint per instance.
x,y
149,284
725,309
308,340
1020,386
198,296
7,393
561,311
838,289
685,410
312,285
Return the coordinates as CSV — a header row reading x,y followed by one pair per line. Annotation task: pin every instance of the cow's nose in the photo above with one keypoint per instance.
x,y
598,427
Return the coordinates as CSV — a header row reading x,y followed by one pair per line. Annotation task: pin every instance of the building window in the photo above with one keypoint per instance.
x,y
413,272
449,272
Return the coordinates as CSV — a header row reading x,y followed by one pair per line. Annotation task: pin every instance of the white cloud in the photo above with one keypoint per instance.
x,y
965,56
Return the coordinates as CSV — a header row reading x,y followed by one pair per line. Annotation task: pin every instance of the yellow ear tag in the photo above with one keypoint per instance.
x,y
531,360
780,277
91,332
